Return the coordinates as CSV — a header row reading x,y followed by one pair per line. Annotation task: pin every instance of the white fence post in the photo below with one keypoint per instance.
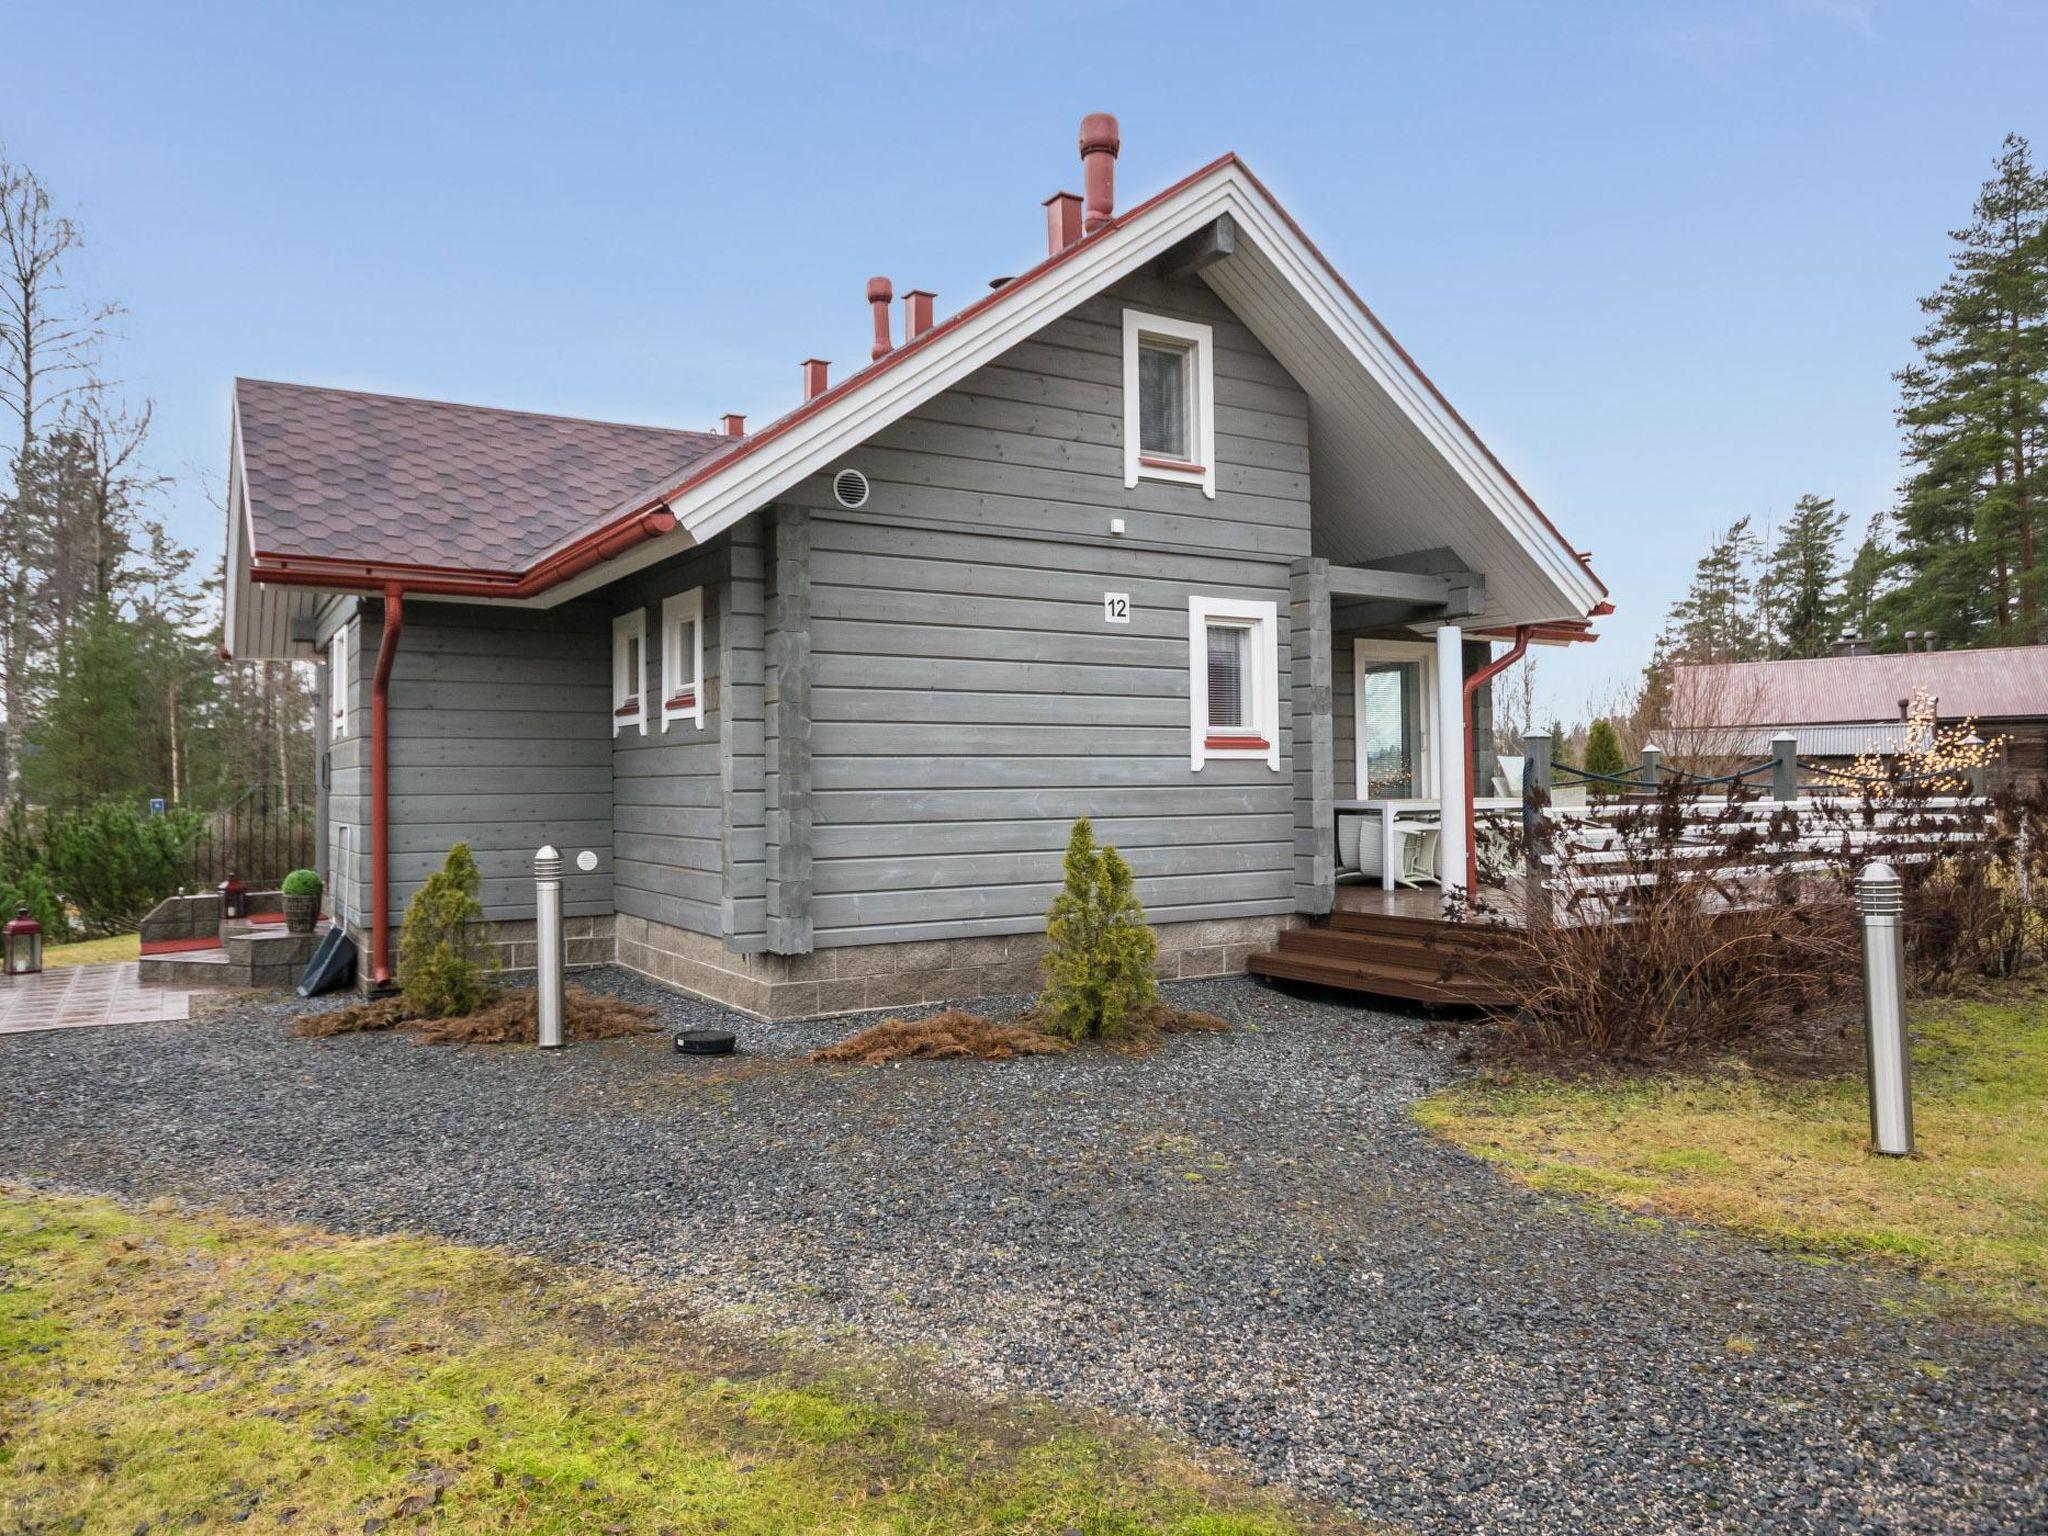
x,y
547,911
1880,897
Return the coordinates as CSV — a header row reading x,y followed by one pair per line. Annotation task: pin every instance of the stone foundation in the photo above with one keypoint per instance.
x,y
586,941
832,981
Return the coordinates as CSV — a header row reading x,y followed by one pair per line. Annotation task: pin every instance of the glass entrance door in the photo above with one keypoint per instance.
x,y
1393,721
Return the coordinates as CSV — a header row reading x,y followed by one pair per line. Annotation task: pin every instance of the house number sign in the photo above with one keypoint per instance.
x,y
1116,607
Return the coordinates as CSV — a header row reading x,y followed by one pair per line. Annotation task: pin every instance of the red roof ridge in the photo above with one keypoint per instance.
x,y
495,410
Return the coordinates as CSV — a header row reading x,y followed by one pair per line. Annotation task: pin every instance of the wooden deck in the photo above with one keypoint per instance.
x,y
1387,944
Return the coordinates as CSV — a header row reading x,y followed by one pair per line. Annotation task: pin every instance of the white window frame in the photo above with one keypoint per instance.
x,y
629,626
1363,653
1200,340
683,608
1262,678
340,651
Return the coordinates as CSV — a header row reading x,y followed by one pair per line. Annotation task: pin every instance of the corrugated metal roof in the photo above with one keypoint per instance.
x,y
1986,685
1887,737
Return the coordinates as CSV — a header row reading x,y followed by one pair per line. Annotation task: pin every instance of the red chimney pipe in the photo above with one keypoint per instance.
x,y
815,382
1099,146
735,424
1062,221
917,313
880,296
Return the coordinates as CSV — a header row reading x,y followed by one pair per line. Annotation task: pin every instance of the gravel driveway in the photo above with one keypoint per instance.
x,y
1243,1237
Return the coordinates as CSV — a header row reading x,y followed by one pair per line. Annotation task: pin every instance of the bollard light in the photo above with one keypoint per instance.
x,y
1880,898
547,914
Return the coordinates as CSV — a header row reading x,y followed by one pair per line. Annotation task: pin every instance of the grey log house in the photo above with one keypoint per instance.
x,y
1167,531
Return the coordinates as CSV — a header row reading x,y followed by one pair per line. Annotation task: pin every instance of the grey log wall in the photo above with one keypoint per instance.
x,y
668,821
967,700
499,738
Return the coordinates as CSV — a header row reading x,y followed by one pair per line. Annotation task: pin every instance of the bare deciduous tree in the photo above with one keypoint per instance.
x,y
49,345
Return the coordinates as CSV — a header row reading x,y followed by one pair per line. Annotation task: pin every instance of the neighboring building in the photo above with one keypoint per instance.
x,y
1841,706
1129,536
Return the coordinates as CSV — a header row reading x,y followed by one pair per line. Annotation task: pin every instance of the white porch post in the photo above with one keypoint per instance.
x,y
1452,773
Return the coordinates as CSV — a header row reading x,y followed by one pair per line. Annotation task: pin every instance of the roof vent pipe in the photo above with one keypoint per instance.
x,y
880,297
1099,146
735,424
815,382
917,313
1062,221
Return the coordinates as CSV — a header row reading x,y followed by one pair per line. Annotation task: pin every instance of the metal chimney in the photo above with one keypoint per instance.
x,y
880,296
1099,146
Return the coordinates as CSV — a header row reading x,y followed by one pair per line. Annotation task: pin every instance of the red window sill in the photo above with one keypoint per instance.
x,y
627,711
1178,466
1237,744
680,701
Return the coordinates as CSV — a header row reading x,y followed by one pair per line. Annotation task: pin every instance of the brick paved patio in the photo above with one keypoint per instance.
x,y
73,996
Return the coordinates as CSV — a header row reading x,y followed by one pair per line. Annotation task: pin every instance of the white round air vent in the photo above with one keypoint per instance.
x,y
850,488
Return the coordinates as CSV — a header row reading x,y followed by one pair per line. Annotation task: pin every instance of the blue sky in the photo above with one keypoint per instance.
x,y
1664,256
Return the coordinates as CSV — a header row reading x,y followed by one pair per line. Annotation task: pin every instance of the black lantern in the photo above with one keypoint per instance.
x,y
234,898
24,944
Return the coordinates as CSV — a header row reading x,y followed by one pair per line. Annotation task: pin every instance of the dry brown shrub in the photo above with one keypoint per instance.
x,y
357,1019
949,1036
509,1018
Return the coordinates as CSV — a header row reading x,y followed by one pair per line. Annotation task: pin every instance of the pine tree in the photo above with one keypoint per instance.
x,y
1717,618
1603,749
1863,585
443,950
1803,578
1100,951
1975,412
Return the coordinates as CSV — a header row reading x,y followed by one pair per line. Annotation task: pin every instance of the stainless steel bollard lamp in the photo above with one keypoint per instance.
x,y
547,911
1881,900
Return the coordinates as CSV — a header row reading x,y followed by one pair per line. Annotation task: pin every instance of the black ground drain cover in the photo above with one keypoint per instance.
x,y
705,1042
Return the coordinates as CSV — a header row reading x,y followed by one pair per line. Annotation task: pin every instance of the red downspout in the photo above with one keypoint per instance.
x,y
1484,675
380,788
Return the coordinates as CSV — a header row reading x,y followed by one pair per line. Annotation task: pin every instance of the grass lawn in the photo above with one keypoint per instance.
x,y
1788,1160
122,946
161,1372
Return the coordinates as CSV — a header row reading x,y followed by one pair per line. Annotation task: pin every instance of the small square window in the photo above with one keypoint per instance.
x,y
682,657
1234,689
629,671
1169,402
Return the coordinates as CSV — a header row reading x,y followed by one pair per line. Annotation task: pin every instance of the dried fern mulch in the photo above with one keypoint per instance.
x,y
957,1035
509,1018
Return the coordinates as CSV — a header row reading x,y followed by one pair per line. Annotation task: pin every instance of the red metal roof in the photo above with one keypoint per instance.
x,y
1985,685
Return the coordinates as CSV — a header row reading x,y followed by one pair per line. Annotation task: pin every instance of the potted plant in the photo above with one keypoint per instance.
x,y
302,889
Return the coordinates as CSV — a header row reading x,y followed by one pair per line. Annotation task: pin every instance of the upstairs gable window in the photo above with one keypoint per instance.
x,y
1169,401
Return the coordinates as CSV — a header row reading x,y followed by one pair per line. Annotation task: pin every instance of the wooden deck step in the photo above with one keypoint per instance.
x,y
1419,959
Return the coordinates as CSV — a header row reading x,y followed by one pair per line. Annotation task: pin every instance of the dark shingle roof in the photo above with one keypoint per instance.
x,y
341,474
